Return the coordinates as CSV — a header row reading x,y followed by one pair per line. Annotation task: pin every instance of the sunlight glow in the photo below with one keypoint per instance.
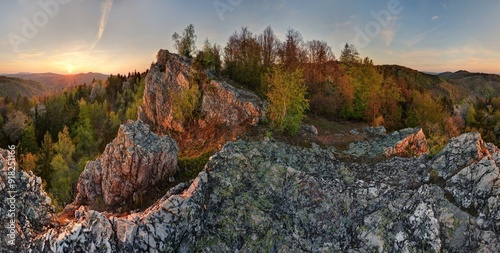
x,y
70,68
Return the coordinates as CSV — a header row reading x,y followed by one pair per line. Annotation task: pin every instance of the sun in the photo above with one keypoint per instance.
x,y
70,68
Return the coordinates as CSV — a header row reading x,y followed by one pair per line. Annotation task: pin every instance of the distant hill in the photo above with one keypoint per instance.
x,y
57,81
478,84
455,85
417,79
12,87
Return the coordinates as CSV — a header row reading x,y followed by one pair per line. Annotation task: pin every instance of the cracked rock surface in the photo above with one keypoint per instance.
x,y
137,159
272,197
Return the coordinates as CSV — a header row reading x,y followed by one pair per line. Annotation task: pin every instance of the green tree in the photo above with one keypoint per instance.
x,y
44,167
28,141
64,146
287,98
61,180
86,139
470,119
185,44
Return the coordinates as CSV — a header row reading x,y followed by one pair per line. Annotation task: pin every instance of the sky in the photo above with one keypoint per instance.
x,y
120,36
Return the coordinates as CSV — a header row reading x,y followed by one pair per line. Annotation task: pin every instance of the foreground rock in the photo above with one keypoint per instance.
x,y
25,209
221,103
406,142
135,161
272,197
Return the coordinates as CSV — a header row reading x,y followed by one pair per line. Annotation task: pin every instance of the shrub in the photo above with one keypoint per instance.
x,y
185,103
287,99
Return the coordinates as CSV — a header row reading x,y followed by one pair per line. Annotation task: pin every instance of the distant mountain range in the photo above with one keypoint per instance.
x,y
12,87
56,82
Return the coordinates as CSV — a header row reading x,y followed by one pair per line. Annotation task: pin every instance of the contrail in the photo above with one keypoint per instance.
x,y
105,9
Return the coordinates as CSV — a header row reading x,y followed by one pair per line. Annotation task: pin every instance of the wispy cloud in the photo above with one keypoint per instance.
x,y
434,18
342,24
389,32
28,56
417,39
105,10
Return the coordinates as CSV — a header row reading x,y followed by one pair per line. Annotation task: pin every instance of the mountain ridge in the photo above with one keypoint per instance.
x,y
56,81
13,87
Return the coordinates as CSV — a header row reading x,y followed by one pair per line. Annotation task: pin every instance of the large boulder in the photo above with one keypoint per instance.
x,y
221,103
135,161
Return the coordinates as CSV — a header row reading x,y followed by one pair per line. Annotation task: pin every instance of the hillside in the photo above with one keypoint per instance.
x,y
479,84
57,81
13,87
419,80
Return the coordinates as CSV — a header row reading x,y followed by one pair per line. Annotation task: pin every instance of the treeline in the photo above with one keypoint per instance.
x,y
56,135
349,87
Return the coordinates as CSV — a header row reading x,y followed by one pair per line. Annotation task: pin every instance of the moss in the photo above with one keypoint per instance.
x,y
347,175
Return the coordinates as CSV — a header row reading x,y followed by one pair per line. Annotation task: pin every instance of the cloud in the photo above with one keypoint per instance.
x,y
342,24
105,10
418,38
434,18
28,56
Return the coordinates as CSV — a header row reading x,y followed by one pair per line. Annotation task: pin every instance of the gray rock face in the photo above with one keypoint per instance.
x,y
221,103
273,197
134,161
460,152
25,209
405,142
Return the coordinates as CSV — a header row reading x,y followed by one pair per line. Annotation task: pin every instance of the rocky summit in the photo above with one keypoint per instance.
x,y
221,103
268,196
136,160
382,194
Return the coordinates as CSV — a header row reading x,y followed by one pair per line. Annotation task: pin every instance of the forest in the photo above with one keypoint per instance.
x,y
57,134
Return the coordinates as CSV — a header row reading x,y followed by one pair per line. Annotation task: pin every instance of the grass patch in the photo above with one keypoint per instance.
x,y
190,167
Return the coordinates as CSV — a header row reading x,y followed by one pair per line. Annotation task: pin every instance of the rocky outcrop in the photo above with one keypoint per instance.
x,y
272,197
25,208
460,152
221,103
406,142
132,163
226,105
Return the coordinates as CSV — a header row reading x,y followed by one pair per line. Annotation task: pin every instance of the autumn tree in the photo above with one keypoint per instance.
x,y
318,55
242,59
291,53
185,44
349,55
15,125
287,99
269,44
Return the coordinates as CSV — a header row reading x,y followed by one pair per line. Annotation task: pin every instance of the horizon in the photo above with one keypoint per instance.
x,y
117,37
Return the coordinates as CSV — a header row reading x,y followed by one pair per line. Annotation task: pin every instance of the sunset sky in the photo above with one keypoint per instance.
x,y
118,36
